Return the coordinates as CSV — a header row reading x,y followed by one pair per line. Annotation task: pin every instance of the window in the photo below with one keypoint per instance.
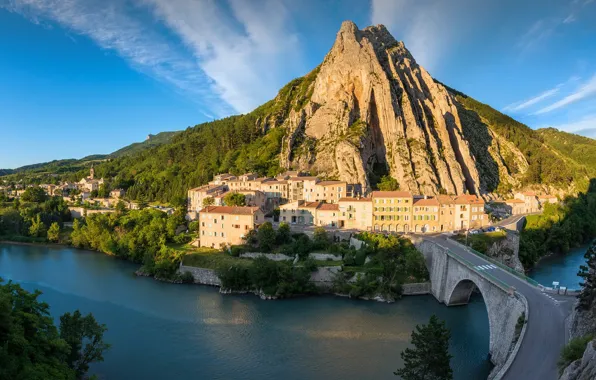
x,y
222,217
203,233
202,224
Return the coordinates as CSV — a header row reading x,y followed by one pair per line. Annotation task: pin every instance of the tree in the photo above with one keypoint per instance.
x,y
121,207
588,274
37,229
85,338
284,234
429,358
266,237
235,199
93,194
54,232
320,238
103,191
388,183
34,194
208,201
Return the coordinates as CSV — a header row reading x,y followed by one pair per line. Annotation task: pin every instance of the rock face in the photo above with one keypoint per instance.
x,y
584,368
373,105
507,251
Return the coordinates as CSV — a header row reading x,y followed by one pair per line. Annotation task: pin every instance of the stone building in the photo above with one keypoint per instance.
x,y
299,213
220,226
515,206
356,213
425,215
392,210
469,212
327,215
197,195
530,199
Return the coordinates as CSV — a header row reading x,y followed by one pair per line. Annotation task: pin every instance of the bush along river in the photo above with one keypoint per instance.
x,y
560,268
162,331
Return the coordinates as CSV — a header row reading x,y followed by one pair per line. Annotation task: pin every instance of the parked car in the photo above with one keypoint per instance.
x,y
474,232
490,229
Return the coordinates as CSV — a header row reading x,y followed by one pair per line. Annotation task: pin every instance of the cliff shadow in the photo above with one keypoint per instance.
x,y
479,138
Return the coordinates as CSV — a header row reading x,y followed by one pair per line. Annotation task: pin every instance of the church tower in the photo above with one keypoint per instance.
x,y
91,172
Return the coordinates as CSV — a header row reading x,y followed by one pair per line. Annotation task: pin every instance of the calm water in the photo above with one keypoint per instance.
x,y
561,268
165,331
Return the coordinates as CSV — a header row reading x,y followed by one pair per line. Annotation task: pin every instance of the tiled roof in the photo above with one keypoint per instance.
x,y
329,183
547,196
514,201
329,207
206,187
426,202
391,194
468,199
529,193
230,210
355,200
446,199
310,204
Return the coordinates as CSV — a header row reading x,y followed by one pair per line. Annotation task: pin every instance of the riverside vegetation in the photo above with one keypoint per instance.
x,y
32,347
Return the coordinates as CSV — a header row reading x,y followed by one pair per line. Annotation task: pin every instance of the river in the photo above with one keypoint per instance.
x,y
560,268
166,331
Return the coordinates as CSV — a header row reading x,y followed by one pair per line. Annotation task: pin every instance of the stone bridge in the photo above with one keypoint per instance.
x,y
453,279
519,351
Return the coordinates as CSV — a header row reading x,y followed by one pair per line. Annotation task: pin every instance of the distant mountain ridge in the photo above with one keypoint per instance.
x,y
69,165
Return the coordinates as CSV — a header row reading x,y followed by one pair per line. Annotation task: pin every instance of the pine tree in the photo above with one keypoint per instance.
x,y
588,274
429,358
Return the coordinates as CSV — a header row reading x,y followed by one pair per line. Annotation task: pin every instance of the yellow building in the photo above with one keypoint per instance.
x,y
356,213
446,212
530,199
392,210
425,215
221,226
330,191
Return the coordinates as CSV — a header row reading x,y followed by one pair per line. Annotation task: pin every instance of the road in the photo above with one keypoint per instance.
x,y
545,332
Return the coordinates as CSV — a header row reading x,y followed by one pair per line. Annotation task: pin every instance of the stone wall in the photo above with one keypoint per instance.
x,y
270,256
356,243
324,256
323,276
202,275
79,212
415,289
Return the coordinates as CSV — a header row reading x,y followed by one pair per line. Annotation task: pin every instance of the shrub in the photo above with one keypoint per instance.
x,y
573,351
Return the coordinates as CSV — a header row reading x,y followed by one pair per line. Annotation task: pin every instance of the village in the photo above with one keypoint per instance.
x,y
307,201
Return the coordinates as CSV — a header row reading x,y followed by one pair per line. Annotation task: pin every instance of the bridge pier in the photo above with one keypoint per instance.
x,y
452,282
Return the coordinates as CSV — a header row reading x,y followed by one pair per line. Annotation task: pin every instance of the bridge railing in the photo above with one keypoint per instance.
x,y
506,287
502,266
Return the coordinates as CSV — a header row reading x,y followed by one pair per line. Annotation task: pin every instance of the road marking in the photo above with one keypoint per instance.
x,y
485,267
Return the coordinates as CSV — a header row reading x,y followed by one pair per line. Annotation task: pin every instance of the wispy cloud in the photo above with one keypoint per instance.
x,y
584,91
521,105
225,62
245,53
514,107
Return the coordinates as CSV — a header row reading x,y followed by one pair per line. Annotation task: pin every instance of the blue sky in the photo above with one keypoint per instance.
x,y
80,77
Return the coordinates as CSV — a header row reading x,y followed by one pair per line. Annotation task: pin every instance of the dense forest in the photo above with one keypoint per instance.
x,y
559,228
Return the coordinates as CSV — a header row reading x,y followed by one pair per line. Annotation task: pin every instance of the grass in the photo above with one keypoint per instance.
x,y
209,258
482,241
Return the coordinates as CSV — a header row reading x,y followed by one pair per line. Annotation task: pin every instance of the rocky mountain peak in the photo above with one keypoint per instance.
x,y
373,109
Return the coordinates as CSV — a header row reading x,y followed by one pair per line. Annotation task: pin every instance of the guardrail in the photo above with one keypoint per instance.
x,y
470,265
500,265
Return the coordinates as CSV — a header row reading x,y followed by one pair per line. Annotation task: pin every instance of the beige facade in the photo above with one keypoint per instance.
x,y
446,212
327,215
299,213
222,179
198,194
117,193
530,199
546,199
425,215
330,191
515,206
356,213
392,211
221,226
469,212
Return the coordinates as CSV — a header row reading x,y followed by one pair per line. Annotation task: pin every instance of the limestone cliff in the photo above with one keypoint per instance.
x,y
371,103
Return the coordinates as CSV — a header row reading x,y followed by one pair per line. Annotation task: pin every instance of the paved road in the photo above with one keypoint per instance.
x,y
545,332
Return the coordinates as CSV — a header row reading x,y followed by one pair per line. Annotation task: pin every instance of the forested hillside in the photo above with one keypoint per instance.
x,y
579,148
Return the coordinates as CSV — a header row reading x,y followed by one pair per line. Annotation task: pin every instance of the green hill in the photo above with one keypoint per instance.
x,y
578,148
150,142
